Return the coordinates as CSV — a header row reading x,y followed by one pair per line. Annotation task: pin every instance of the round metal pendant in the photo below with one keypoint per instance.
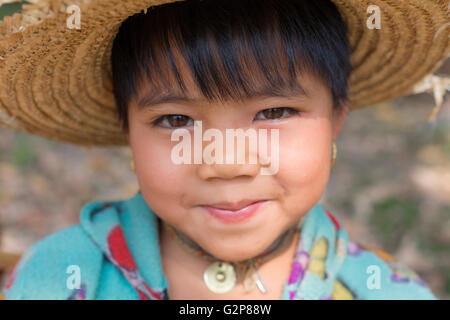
x,y
220,277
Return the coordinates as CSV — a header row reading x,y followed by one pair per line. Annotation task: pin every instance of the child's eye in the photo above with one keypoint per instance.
x,y
276,113
173,121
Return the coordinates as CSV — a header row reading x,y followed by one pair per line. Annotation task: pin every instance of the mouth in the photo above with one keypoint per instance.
x,y
234,206
235,212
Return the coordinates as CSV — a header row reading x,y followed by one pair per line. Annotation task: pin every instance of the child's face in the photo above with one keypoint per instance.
x,y
175,192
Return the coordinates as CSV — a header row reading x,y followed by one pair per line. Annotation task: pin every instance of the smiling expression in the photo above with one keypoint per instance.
x,y
307,125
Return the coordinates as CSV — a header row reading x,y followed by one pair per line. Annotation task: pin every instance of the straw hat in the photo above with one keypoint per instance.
x,y
56,81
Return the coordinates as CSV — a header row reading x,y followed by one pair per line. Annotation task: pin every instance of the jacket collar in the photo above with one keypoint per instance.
x,y
127,233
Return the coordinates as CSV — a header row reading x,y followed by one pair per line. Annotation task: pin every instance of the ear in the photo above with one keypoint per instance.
x,y
339,115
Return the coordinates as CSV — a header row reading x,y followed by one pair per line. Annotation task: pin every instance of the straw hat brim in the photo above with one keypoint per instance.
x,y
56,82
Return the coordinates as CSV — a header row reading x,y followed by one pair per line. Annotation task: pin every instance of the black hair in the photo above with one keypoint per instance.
x,y
231,48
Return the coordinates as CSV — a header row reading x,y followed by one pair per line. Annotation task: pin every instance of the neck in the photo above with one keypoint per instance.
x,y
184,246
180,264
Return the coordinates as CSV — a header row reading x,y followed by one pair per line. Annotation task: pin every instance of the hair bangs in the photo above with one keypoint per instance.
x,y
230,49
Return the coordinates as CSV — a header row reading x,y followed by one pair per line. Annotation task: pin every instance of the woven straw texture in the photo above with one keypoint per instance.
x,y
56,82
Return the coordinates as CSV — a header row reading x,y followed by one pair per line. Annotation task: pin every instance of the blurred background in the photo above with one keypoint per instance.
x,y
390,184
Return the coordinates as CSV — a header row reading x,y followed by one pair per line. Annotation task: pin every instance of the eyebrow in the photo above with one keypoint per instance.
x,y
153,99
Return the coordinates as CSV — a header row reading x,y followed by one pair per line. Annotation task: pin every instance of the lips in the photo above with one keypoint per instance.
x,y
233,206
245,210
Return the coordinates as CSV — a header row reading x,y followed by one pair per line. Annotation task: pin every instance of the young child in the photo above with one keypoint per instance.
x,y
211,230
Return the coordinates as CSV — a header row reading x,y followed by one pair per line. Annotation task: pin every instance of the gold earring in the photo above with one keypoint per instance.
x,y
333,159
132,165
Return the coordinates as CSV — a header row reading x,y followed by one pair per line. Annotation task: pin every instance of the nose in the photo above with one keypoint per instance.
x,y
227,171
232,168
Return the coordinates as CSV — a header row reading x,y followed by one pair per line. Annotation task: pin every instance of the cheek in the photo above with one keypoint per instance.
x,y
158,177
305,154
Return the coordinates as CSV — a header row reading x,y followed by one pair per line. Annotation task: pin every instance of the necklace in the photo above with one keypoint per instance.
x,y
221,276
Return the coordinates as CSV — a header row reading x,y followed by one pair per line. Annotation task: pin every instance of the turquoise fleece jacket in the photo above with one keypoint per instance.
x,y
114,254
